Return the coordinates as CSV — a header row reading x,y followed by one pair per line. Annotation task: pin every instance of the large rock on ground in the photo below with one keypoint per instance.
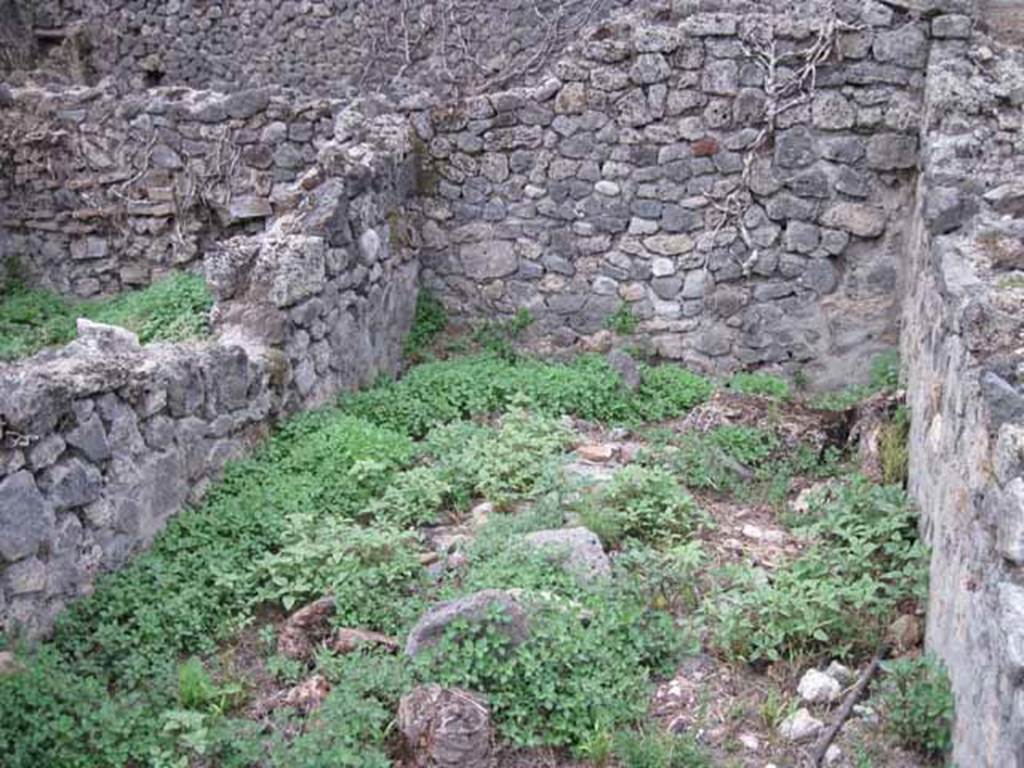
x,y
800,726
310,627
627,368
577,550
446,728
818,688
474,608
305,629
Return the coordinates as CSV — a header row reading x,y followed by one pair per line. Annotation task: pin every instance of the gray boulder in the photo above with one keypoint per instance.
x,y
577,550
475,608
102,338
800,726
626,367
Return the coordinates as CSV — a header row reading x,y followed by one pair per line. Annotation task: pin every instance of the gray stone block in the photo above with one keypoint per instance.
x,y
90,438
71,483
26,519
578,550
892,151
905,47
477,608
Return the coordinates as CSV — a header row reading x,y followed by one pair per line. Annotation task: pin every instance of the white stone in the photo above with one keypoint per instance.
x,y
489,260
840,672
1011,610
369,246
800,726
607,188
769,535
107,338
833,754
638,226
605,286
818,688
662,267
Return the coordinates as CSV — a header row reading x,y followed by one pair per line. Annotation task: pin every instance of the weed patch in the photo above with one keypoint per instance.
x,y
640,504
437,393
918,703
759,384
173,309
622,321
345,501
839,595
429,320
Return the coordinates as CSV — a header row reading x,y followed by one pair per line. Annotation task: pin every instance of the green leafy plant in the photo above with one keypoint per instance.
x,y
643,504
918,706
329,556
836,597
655,749
669,390
724,459
500,464
622,321
412,497
670,580
173,309
893,448
438,393
569,676
759,384
429,321
350,729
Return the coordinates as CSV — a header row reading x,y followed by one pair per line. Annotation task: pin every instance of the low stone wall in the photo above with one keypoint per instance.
x,y
100,191
103,441
963,347
739,182
99,448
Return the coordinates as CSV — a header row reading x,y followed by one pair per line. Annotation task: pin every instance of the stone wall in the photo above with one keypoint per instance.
x,y
100,191
339,48
963,347
744,219
102,441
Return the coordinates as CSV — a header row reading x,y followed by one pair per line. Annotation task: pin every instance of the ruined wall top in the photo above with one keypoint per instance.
x,y
346,47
